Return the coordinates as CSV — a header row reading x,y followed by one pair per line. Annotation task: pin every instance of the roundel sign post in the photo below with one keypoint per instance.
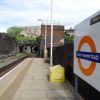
x,y
87,50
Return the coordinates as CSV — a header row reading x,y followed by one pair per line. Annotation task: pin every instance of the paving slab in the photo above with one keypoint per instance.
x,y
59,93
36,86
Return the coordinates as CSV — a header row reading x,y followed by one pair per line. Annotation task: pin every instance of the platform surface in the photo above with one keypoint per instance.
x,y
33,84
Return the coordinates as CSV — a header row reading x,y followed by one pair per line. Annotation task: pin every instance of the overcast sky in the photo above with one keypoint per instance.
x,y
26,12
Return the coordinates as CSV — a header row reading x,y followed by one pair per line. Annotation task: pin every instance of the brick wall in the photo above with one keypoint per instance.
x,y
58,34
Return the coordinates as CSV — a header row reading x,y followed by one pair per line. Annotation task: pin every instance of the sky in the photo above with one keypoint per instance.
x,y
27,12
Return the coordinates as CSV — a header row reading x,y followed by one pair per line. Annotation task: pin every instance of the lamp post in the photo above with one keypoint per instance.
x,y
45,48
51,49
41,20
45,27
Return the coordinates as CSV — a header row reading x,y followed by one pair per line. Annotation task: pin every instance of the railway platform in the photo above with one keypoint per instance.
x,y
29,81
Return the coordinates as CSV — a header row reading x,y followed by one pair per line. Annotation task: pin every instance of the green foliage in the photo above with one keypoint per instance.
x,y
20,55
27,40
2,61
38,38
14,31
68,38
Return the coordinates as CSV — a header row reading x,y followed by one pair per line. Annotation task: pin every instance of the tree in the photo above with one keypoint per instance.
x,y
14,31
27,40
68,38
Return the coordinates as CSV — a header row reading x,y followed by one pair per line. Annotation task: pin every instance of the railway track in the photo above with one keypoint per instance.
x,y
10,66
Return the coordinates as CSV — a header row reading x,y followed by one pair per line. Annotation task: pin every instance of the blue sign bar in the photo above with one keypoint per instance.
x,y
90,56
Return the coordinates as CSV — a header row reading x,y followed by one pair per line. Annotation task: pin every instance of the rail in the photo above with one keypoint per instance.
x,y
7,68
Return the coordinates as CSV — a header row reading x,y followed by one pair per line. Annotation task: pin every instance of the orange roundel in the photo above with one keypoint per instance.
x,y
87,71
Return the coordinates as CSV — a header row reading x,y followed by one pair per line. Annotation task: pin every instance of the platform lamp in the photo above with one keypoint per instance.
x,y
45,47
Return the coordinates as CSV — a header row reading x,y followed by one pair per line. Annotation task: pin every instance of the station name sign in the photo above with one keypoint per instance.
x,y
95,57
95,19
87,50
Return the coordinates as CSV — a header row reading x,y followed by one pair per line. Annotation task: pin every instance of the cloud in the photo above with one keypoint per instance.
x,y
26,12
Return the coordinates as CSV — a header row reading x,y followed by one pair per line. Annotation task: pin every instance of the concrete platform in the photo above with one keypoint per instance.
x,y
32,84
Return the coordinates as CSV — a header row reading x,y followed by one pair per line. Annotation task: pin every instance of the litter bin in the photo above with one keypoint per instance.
x,y
57,74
